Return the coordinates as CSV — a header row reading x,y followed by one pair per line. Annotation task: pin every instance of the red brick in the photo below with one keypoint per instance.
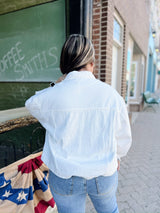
x,y
96,16
97,10
104,23
104,14
104,4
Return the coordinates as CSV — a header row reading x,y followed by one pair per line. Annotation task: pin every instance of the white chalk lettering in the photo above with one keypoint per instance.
x,y
32,63
52,53
27,68
2,66
35,62
5,61
12,57
18,69
40,62
14,60
9,56
45,59
21,57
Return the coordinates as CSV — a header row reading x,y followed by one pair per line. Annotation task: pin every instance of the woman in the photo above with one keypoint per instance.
x,y
87,131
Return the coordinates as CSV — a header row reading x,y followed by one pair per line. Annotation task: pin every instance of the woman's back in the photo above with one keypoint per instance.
x,y
79,115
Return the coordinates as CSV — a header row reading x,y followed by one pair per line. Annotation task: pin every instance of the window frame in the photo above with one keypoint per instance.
x,y
135,85
119,46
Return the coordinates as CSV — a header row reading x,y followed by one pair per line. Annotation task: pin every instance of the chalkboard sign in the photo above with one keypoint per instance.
x,y
30,43
7,6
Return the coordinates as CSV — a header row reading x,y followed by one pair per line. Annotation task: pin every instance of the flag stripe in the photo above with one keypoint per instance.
x,y
43,205
21,161
30,165
43,184
24,186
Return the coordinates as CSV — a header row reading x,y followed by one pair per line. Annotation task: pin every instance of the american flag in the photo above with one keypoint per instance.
x,y
24,186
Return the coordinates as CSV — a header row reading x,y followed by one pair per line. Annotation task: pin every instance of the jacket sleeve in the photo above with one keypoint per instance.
x,y
33,106
123,131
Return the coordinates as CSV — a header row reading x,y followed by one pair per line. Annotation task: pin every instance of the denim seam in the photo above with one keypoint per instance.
x,y
71,191
97,185
85,185
98,192
65,195
108,193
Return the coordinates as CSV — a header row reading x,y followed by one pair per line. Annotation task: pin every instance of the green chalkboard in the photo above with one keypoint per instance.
x,y
7,6
30,43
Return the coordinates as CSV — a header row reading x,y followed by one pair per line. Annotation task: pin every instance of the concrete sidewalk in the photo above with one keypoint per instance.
x,y
139,176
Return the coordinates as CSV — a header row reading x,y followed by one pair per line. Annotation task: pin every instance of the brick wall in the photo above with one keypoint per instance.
x,y
102,16
124,61
136,22
96,35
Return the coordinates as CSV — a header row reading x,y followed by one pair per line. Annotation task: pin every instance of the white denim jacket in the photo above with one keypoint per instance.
x,y
87,126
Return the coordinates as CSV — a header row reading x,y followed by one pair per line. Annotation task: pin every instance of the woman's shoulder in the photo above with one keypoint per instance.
x,y
109,92
106,86
44,91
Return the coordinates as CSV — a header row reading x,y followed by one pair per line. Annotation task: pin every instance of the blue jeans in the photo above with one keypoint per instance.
x,y
70,194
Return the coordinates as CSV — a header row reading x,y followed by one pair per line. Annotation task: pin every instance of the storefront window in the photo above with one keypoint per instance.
x,y
31,40
117,34
133,79
129,55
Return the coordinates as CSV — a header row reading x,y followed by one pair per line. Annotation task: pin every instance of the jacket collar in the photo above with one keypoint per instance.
x,y
79,74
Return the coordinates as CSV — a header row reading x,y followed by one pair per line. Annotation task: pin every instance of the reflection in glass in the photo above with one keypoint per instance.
x,y
117,34
133,79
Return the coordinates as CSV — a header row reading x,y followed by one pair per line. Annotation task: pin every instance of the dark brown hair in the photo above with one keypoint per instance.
x,y
76,53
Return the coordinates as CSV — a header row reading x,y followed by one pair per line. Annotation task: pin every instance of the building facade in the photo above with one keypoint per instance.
x,y
120,36
33,33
